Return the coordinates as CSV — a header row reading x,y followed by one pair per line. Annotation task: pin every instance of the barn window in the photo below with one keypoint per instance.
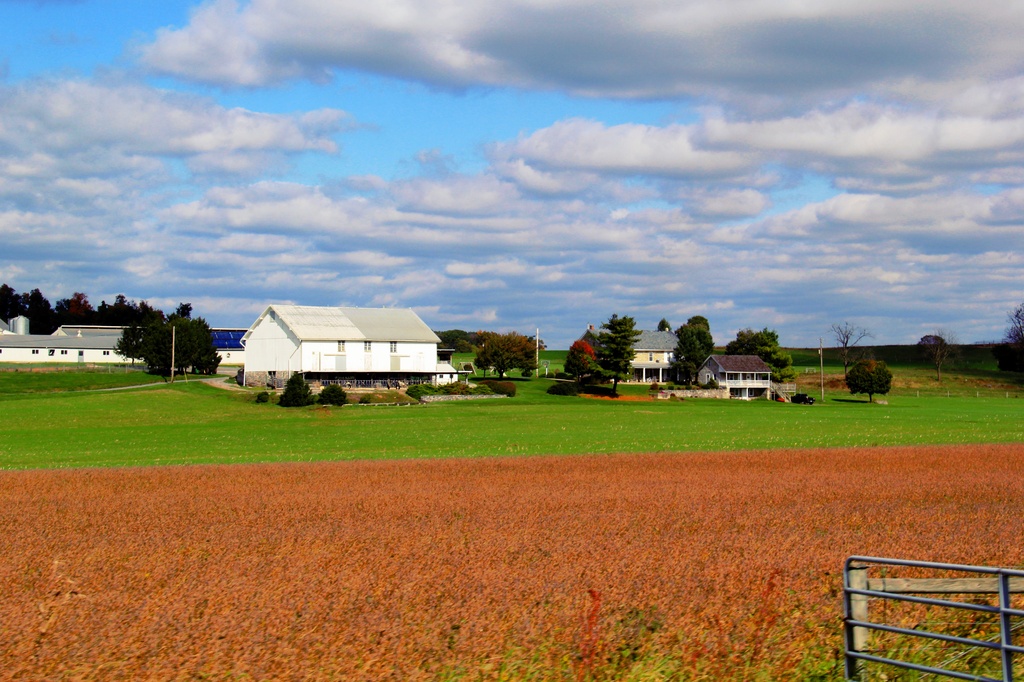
x,y
394,346
341,346
367,346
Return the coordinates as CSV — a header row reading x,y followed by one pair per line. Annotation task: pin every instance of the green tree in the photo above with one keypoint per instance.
x,y
581,361
41,318
10,303
869,376
664,326
130,343
765,345
204,358
333,395
693,347
699,321
504,352
615,349
456,339
193,346
296,392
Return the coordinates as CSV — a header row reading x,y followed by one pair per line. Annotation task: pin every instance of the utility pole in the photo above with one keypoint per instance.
x,y
173,328
536,356
821,361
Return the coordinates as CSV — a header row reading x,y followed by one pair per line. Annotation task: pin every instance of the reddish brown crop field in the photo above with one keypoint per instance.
x,y
693,566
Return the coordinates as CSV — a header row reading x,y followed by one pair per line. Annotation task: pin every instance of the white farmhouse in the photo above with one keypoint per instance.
x,y
351,346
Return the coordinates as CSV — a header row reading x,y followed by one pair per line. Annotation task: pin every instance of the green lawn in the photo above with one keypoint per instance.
x,y
28,379
191,423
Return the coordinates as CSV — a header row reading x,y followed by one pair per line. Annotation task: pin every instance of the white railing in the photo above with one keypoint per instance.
x,y
746,383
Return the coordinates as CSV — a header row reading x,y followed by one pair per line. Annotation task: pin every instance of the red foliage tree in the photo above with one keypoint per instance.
x,y
581,361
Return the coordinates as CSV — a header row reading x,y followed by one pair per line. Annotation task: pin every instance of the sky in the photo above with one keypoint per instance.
x,y
523,165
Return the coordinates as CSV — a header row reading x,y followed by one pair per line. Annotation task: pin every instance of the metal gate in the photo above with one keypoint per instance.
x,y
988,627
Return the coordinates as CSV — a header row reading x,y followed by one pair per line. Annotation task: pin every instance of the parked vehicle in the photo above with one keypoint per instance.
x,y
803,399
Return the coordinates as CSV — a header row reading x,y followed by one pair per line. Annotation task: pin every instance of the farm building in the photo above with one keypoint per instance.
x,y
228,343
88,349
348,346
746,376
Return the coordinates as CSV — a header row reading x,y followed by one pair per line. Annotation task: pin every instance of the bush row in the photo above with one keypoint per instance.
x,y
500,387
564,388
298,394
417,391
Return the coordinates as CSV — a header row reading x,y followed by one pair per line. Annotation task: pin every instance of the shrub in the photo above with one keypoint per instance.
x,y
527,373
263,397
333,395
458,388
711,384
417,391
365,399
500,387
654,387
564,376
296,393
482,389
564,388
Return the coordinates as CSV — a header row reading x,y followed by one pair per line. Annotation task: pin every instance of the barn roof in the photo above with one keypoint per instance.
x,y
319,323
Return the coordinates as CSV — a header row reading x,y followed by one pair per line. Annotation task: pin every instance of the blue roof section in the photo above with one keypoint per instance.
x,y
228,339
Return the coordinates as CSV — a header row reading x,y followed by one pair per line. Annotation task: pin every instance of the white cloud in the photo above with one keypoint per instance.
x,y
628,148
737,203
642,48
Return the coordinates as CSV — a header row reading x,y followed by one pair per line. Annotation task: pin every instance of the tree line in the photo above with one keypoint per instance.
x,y
45,318
148,332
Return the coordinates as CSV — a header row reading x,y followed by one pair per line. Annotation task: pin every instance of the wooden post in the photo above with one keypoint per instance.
x,y
173,329
821,364
858,611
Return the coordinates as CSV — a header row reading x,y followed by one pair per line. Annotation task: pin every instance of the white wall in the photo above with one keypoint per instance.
x,y
271,348
89,355
231,357
321,356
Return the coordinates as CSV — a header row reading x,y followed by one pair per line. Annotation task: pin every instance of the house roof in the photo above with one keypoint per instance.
x,y
660,341
317,323
647,341
741,363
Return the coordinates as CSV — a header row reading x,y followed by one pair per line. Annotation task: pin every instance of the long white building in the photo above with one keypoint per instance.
x,y
93,349
345,345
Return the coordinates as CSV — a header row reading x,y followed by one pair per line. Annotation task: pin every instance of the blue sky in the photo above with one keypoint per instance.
x,y
515,165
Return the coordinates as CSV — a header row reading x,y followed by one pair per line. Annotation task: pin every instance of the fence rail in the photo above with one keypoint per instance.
x,y
859,588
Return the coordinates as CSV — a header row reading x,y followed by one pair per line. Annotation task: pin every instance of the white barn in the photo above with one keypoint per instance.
x,y
353,346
